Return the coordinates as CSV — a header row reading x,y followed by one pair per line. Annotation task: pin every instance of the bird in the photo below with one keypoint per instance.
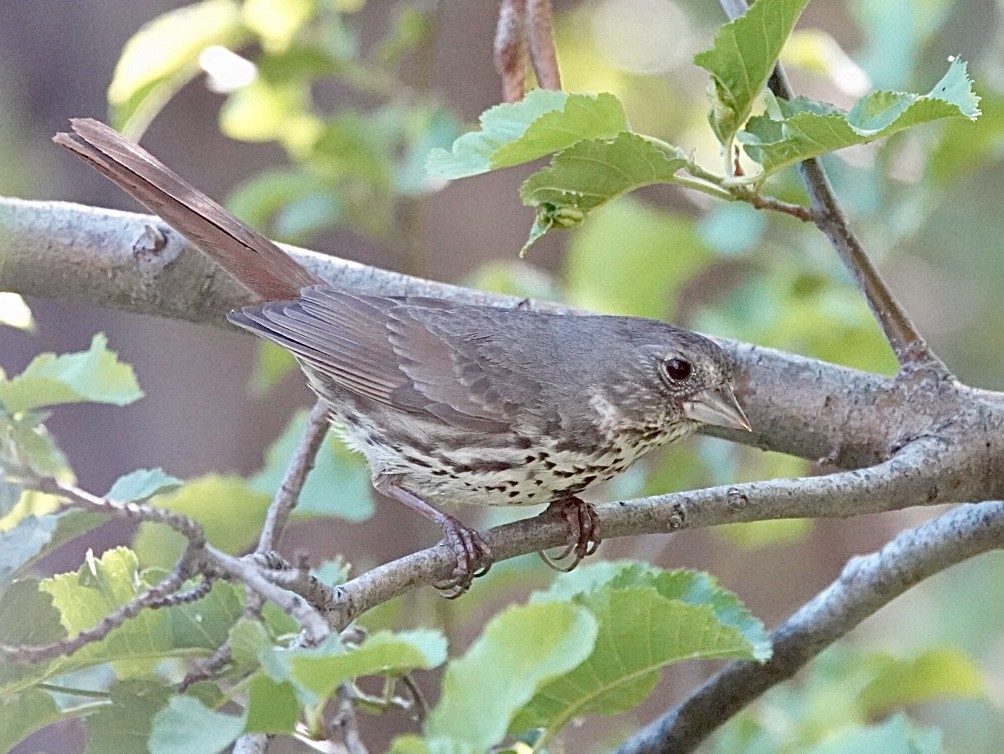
x,y
453,403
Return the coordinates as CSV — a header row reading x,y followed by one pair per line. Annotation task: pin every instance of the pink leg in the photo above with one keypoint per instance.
x,y
474,557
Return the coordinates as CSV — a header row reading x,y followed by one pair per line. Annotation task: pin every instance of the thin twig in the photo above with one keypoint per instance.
x,y
866,584
152,598
511,49
907,343
288,494
543,52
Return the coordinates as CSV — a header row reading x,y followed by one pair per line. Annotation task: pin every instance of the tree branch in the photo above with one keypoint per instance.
x,y
866,584
907,343
104,257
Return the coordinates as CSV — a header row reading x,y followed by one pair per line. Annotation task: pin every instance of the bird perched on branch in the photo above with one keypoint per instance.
x,y
453,403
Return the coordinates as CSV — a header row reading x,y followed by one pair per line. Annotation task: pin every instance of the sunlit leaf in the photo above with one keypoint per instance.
x,y
95,375
519,650
543,122
163,56
318,672
590,173
742,58
808,129
14,312
141,485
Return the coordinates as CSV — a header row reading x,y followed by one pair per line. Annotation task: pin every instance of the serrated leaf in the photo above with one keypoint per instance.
x,y
690,587
124,724
142,484
543,122
35,536
95,375
640,631
808,129
163,56
247,640
592,172
85,597
187,725
339,484
897,735
27,618
519,650
22,714
742,58
318,672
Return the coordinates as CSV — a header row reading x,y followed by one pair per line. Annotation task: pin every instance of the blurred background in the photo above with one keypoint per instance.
x,y
416,75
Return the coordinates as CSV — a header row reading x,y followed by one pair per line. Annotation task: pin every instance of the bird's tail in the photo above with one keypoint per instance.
x,y
254,260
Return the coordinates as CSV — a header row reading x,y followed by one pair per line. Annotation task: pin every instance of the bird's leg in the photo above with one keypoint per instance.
x,y
583,530
474,557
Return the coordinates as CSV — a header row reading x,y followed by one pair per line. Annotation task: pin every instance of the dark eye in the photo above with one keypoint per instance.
x,y
677,369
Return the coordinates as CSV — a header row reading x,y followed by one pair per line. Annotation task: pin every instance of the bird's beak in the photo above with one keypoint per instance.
x,y
717,406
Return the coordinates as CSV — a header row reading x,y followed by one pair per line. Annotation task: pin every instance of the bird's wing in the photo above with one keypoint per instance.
x,y
394,351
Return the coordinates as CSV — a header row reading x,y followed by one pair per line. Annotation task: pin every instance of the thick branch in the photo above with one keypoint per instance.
x,y
866,584
109,258
925,473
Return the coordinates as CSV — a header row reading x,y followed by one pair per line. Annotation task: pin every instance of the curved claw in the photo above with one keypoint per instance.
x,y
474,557
584,532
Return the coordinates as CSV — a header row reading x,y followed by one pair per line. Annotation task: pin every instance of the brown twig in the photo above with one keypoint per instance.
x,y
543,52
288,494
512,49
903,336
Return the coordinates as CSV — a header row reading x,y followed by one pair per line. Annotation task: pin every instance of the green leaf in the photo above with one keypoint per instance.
x,y
27,618
276,22
940,673
25,441
267,110
318,672
85,597
163,56
801,129
543,122
227,507
270,367
640,631
23,714
339,484
187,725
742,58
592,172
35,536
142,484
689,587
95,375
895,736
519,650
272,706
631,259
125,723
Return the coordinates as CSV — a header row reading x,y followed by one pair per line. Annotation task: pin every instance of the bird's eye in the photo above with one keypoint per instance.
x,y
677,369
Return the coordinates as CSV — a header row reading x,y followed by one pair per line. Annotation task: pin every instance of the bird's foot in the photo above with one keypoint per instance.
x,y
474,557
583,532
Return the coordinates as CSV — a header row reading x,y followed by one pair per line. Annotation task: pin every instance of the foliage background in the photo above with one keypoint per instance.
x,y
925,204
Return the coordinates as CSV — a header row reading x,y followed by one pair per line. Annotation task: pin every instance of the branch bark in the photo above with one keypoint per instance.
x,y
866,584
